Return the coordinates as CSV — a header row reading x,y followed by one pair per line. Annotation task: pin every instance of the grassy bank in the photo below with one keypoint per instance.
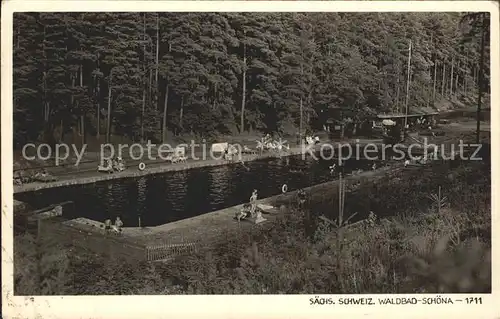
x,y
414,248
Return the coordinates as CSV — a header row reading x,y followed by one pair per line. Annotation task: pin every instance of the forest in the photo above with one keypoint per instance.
x,y
151,76
158,76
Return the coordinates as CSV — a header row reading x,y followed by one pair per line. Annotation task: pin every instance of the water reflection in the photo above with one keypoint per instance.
x,y
171,196
141,195
114,203
176,185
196,198
220,183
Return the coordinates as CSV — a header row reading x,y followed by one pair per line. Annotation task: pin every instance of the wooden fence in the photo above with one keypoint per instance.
x,y
166,251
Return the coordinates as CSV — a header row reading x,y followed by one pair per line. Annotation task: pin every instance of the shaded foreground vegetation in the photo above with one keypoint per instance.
x,y
426,244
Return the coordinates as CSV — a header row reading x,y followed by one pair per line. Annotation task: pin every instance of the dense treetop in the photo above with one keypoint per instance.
x,y
152,75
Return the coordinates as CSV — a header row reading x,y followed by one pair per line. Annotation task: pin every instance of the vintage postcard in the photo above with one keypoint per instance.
x,y
249,159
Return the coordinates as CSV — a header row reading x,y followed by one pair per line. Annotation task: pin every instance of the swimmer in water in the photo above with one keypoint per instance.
x,y
246,167
332,168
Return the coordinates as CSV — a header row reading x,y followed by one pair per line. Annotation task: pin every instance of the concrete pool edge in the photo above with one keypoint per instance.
x,y
99,177
191,165
210,227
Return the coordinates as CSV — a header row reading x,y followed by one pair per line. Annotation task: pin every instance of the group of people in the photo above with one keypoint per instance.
x,y
249,209
41,176
312,140
230,152
268,143
265,143
116,227
117,164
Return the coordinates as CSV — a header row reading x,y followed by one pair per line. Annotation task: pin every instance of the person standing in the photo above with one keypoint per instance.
x,y
253,202
107,225
118,223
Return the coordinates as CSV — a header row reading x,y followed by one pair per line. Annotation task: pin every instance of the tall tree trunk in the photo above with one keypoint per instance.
x,y
214,101
181,115
342,126
300,123
98,100
47,112
407,101
143,77
72,103
434,82
451,76
157,59
142,112
82,116
457,73
151,97
108,124
165,108
443,82
61,131
429,97
244,90
45,99
480,79
165,105
398,90
466,66
309,93
72,97
309,109
98,108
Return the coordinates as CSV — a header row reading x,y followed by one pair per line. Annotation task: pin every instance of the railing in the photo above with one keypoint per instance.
x,y
165,251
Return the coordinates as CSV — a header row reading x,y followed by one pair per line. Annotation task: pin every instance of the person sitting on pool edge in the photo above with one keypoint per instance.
x,y
107,225
301,195
244,212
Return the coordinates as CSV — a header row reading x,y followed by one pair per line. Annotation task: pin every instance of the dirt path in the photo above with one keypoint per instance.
x,y
86,172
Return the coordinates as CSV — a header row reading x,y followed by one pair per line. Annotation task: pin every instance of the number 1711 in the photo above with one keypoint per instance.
x,y
474,300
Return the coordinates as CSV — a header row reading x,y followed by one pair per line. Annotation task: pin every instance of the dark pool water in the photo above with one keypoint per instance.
x,y
171,196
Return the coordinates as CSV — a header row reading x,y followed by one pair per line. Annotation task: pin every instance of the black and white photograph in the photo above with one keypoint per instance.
x,y
252,153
